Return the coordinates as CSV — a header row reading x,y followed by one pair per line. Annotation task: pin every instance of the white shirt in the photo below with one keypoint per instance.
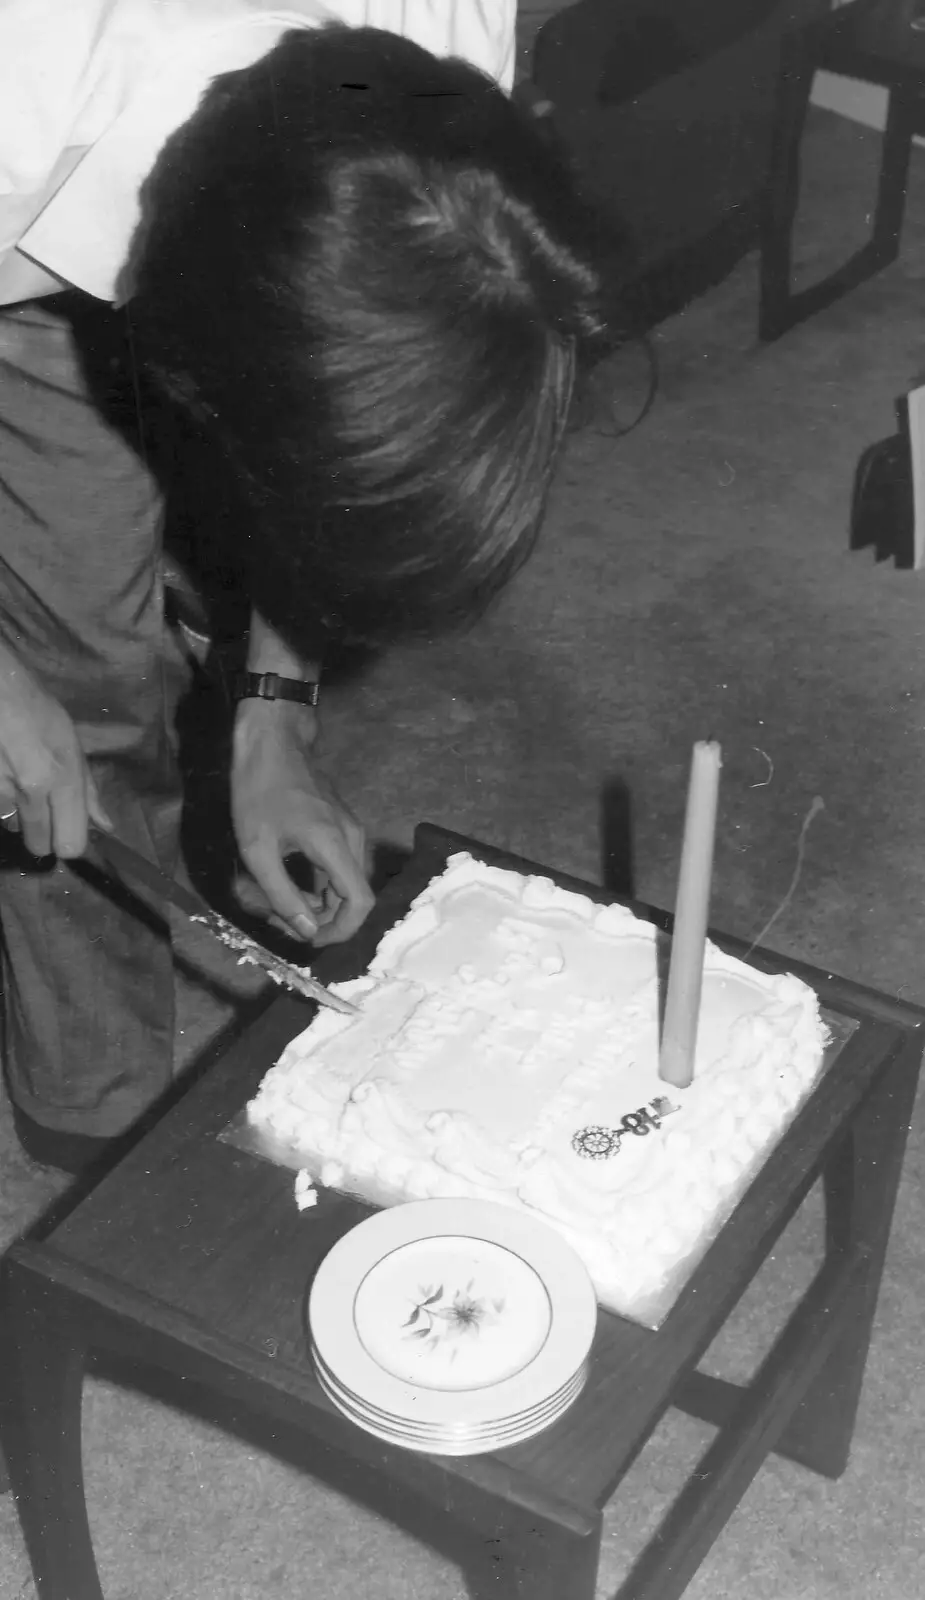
x,y
91,90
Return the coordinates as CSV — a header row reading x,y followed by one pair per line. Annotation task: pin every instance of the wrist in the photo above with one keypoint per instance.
x,y
256,719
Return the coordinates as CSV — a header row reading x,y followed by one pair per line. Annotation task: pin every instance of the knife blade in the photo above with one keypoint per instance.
x,y
126,862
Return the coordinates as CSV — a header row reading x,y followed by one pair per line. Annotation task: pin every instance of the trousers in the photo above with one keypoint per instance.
x,y
87,973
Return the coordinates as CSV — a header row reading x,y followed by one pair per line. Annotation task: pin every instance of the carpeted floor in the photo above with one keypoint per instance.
x,y
694,580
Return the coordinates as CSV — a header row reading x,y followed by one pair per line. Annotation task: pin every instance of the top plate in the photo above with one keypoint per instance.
x,y
452,1311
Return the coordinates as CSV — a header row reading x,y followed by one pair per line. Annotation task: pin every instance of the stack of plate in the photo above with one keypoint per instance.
x,y
452,1326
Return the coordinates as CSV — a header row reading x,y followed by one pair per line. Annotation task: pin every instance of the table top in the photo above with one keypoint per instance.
x,y
202,1243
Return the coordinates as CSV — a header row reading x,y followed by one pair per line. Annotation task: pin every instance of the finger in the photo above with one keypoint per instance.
x,y
337,850
96,811
252,899
346,920
350,887
69,816
35,824
293,905
327,898
9,816
331,902
250,896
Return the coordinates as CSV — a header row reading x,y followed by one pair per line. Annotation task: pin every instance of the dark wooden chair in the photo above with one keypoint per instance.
x,y
670,115
874,41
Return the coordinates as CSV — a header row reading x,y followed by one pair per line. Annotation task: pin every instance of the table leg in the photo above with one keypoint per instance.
x,y
6,1397
532,1559
862,1179
43,1440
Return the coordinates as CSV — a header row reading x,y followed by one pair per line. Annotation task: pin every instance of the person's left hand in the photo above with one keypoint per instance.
x,y
282,805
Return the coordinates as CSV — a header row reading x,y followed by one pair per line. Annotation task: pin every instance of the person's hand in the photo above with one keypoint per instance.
x,y
47,792
282,805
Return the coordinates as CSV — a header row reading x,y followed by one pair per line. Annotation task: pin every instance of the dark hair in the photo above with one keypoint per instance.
x,y
365,277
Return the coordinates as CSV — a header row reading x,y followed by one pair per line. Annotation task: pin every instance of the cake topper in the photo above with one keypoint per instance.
x,y
596,1143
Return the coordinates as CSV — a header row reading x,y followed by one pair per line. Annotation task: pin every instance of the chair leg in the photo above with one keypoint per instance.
x,y
861,1186
782,192
43,1440
901,122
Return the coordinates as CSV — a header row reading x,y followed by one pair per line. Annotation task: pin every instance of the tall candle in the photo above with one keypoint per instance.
x,y
692,909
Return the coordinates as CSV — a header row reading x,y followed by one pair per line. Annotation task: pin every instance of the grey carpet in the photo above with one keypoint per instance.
x,y
694,580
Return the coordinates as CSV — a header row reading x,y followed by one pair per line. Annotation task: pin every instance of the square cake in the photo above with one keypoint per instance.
x,y
506,1048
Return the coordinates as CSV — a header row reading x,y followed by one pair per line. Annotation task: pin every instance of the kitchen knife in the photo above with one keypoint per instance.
x,y
128,863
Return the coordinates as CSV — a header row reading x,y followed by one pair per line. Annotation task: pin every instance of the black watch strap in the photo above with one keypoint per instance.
x,y
271,686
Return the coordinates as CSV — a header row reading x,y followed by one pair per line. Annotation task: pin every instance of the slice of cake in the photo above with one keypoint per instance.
x,y
506,1049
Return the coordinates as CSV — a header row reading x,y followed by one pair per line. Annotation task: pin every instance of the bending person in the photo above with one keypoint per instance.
x,y
356,273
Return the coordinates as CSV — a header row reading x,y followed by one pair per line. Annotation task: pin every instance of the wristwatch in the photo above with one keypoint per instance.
x,y
271,686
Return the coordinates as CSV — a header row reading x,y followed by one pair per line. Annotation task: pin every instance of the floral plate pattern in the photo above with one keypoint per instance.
x,y
453,1313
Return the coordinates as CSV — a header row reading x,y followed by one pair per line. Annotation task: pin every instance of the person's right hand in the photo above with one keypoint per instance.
x,y
44,774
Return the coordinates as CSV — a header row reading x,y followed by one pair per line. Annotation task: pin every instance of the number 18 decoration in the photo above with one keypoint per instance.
x,y
597,1143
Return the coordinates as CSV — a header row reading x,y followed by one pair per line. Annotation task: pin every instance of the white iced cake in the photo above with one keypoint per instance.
x,y
505,1048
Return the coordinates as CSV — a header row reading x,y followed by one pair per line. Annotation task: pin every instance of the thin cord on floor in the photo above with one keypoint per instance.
x,y
616,431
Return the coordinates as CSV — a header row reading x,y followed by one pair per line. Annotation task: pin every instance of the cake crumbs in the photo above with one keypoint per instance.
x,y
306,1194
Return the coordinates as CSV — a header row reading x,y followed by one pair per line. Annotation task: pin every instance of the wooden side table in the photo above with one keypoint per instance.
x,y
873,40
191,1259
